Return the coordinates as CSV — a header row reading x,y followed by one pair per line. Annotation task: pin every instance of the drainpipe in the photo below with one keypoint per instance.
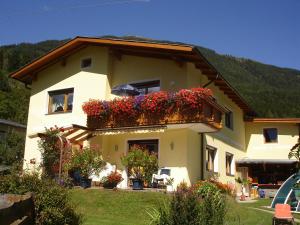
x,y
211,81
202,156
27,86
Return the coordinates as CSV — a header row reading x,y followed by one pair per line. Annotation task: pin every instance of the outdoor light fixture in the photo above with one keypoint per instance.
x,y
116,148
172,145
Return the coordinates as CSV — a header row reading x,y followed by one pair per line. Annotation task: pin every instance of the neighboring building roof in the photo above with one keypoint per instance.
x,y
12,123
179,52
274,120
265,161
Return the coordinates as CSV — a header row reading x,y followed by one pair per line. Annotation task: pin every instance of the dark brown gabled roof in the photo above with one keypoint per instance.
x,y
178,52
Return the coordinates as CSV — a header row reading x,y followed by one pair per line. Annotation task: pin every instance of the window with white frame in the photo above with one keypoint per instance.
x,y
229,164
211,153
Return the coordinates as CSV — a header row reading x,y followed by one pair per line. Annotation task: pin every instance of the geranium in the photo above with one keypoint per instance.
x,y
189,101
112,180
96,108
123,110
155,105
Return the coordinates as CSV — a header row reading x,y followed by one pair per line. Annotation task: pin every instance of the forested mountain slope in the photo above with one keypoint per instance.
x,y
271,91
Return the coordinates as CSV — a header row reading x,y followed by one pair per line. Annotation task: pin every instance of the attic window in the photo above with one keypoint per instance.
x,y
86,63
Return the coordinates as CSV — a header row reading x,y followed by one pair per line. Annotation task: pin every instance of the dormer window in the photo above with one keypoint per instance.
x,y
86,63
61,101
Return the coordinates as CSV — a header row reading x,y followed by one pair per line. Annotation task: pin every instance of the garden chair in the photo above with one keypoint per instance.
x,y
283,215
162,175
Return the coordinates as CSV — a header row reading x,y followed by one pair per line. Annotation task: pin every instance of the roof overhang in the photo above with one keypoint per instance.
x,y
178,52
274,120
265,161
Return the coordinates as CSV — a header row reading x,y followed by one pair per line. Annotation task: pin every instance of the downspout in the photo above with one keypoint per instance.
x,y
27,87
211,81
202,156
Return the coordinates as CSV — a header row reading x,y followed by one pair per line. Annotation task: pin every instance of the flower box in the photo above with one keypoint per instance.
x,y
194,105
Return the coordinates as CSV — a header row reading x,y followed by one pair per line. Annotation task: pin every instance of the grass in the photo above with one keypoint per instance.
x,y
115,207
127,208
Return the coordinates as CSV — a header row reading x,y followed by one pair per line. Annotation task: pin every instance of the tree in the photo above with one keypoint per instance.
x,y
295,152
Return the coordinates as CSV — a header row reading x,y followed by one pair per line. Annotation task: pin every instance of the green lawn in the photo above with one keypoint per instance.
x,y
115,207
130,208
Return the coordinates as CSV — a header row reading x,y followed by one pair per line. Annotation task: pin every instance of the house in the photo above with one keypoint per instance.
x,y
7,126
226,140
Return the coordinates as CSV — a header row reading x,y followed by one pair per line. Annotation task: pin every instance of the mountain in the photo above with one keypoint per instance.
x,y
270,90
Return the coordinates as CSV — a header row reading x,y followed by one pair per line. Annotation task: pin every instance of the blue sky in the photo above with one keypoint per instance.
x,y
263,30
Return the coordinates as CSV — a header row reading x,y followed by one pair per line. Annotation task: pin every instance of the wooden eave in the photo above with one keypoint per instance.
x,y
177,52
274,120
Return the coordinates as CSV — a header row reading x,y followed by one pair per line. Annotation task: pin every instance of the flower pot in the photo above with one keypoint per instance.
x,y
243,197
110,185
169,188
137,184
85,182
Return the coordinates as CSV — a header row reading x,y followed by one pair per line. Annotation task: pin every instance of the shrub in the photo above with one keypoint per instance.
x,y
213,207
182,209
49,147
200,205
52,203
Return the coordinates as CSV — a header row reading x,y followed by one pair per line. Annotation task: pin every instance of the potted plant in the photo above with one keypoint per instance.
x,y
86,161
112,180
169,184
139,164
244,183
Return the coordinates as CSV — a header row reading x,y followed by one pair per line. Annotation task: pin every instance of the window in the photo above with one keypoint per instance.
x,y
61,101
151,145
86,63
229,161
211,155
270,135
147,87
229,120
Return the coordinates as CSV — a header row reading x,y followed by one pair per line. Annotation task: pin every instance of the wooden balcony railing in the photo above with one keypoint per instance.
x,y
210,113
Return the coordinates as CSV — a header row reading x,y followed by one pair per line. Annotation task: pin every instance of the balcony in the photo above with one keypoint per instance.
x,y
188,108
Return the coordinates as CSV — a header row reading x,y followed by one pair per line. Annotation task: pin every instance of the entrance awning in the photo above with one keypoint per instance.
x,y
266,161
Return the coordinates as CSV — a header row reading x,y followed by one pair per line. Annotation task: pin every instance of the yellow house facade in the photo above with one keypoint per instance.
x,y
88,68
